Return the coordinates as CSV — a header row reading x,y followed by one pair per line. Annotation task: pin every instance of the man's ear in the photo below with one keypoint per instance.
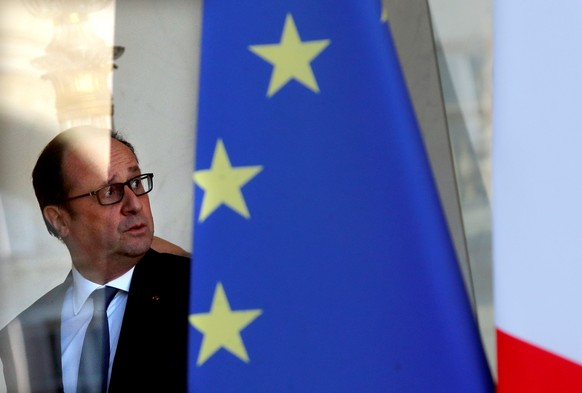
x,y
57,218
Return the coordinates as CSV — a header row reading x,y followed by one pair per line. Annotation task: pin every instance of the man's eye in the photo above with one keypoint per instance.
x,y
135,183
108,191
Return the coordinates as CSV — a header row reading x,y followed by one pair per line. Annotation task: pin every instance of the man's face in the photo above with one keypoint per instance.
x,y
97,234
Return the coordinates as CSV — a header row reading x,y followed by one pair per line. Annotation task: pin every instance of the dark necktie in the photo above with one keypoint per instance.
x,y
94,364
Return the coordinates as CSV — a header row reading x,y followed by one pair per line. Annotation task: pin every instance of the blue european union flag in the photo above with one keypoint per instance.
x,y
322,261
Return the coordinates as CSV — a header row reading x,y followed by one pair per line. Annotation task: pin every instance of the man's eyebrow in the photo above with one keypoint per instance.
x,y
131,169
135,169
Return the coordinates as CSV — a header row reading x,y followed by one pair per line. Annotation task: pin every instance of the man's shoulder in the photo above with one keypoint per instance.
x,y
32,337
161,261
159,269
45,306
48,307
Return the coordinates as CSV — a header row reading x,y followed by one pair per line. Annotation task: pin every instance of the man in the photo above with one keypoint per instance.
x,y
93,196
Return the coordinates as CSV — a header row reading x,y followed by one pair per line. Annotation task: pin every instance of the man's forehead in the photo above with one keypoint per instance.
x,y
89,152
100,156
122,159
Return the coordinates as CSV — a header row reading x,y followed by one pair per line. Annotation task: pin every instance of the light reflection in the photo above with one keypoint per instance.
x,y
31,113
69,43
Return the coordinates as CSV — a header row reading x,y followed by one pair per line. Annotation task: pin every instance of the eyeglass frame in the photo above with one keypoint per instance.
x,y
142,177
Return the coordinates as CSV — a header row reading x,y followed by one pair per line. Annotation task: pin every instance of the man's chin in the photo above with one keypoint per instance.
x,y
136,248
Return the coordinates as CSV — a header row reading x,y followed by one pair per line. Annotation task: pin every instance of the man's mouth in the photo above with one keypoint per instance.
x,y
136,228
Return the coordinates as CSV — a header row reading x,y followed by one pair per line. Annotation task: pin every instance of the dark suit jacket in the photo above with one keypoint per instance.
x,y
152,350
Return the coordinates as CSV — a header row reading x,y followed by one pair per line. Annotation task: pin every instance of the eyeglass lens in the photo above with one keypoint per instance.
x,y
113,193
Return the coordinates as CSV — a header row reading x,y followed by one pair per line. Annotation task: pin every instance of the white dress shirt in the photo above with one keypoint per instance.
x,y
76,315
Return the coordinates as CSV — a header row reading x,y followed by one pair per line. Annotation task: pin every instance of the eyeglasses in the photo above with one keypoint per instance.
x,y
113,193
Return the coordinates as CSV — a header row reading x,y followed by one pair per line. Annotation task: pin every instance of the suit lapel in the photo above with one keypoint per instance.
x,y
152,348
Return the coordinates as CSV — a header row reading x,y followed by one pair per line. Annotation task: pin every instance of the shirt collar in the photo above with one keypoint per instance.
x,y
83,288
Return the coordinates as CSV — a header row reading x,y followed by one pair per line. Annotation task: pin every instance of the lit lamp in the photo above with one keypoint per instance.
x,y
77,62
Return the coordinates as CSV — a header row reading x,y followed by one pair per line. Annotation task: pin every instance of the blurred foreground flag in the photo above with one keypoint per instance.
x,y
538,195
322,259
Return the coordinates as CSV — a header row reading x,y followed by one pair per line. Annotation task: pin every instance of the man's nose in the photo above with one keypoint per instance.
x,y
131,203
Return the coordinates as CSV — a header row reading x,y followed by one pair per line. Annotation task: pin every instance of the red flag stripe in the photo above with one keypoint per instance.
x,y
524,367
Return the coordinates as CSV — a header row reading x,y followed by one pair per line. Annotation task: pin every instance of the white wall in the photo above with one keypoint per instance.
x,y
156,98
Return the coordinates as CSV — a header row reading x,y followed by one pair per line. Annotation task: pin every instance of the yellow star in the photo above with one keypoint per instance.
x,y
221,327
222,183
291,58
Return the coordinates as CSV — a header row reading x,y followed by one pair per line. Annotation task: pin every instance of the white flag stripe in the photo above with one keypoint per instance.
x,y
537,195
